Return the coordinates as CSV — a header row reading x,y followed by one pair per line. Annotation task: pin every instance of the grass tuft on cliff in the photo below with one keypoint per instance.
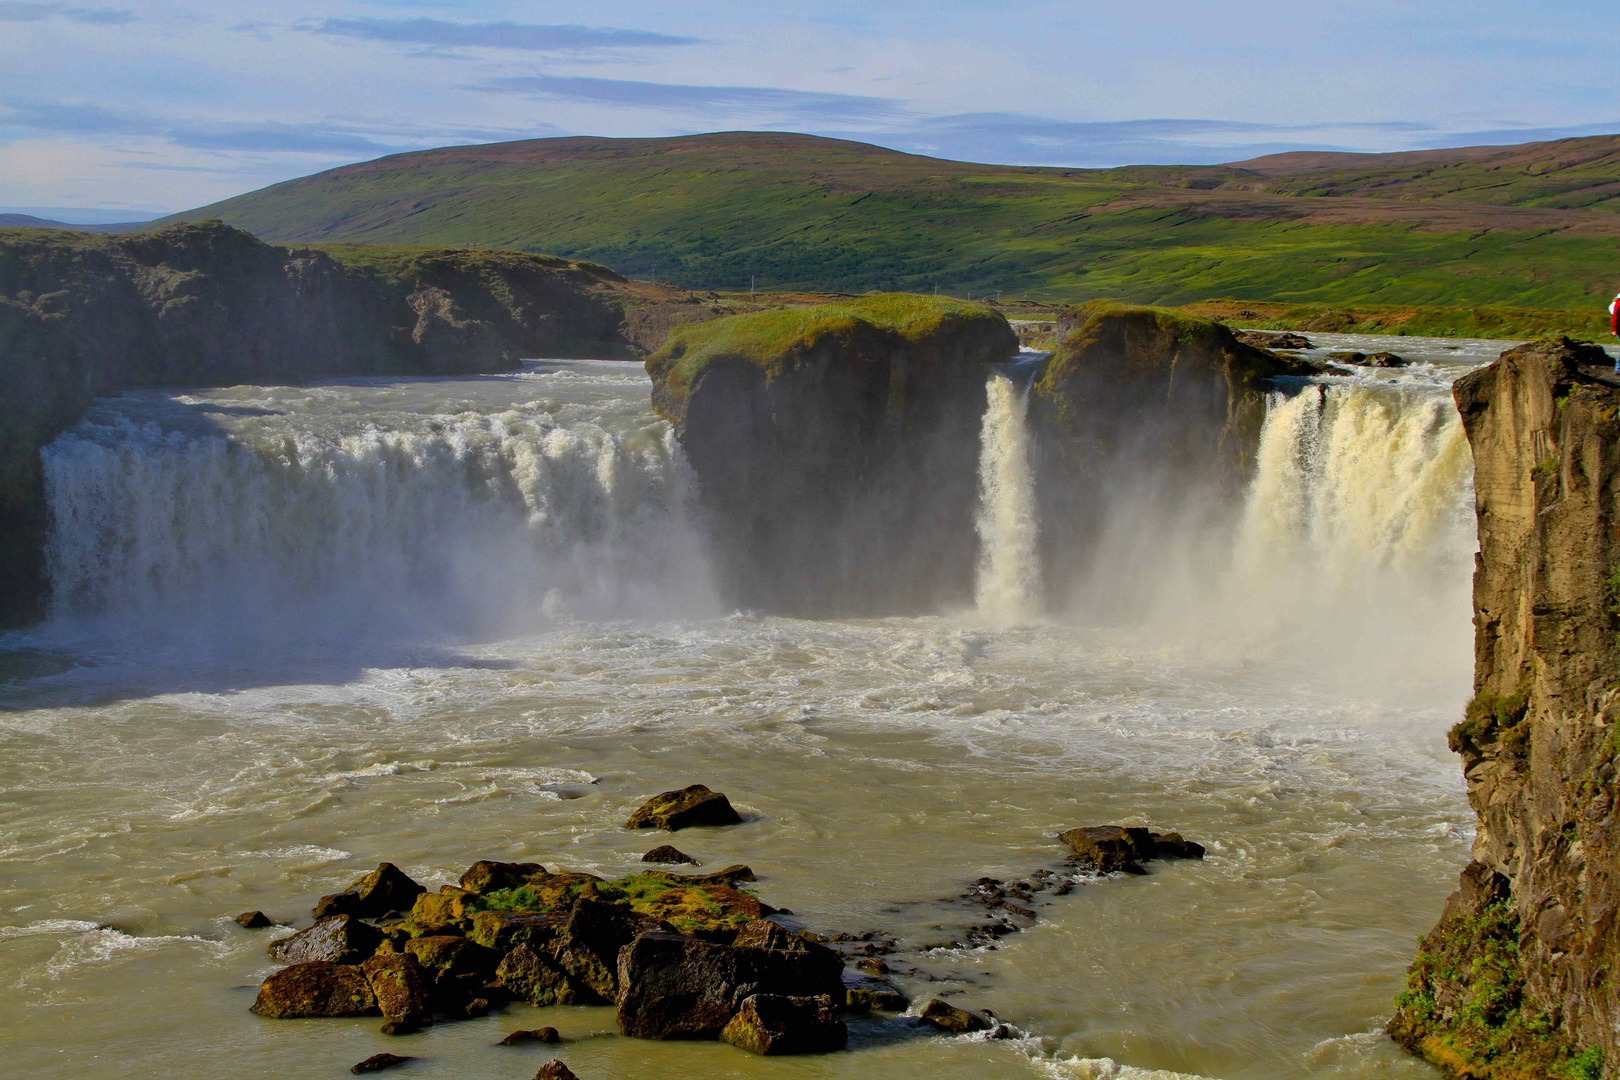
x,y
1490,1030
777,341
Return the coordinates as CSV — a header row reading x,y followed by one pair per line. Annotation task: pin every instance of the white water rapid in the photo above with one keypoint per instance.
x,y
302,630
1009,574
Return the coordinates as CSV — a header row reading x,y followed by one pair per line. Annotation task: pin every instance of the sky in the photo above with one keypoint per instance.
x,y
134,109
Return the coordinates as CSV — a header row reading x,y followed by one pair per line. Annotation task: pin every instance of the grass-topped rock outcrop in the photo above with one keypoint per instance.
x,y
1142,416
837,447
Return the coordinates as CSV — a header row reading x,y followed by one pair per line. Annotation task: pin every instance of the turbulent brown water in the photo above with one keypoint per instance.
x,y
302,630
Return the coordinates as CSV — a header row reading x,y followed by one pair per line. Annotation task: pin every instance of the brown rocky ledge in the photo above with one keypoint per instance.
x,y
1517,980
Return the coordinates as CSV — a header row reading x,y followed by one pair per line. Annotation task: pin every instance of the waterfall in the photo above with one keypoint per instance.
x,y
1009,577
1357,533
464,522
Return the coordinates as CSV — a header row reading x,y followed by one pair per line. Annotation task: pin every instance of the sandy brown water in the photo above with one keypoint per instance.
x,y
244,729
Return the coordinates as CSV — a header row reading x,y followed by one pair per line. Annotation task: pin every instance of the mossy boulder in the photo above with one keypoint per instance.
x,y
403,991
448,956
947,1017
505,930
486,876
534,975
774,1024
836,447
385,890
692,805
316,989
445,909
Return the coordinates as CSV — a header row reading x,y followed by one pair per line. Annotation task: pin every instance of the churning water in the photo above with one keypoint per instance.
x,y
302,630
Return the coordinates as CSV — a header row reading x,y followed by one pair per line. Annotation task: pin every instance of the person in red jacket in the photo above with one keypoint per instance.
x,y
1614,326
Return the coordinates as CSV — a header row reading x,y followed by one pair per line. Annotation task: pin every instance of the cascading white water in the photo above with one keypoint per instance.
x,y
1357,532
455,520
1009,574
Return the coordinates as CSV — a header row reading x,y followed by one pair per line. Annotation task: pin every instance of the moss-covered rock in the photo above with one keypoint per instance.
x,y
403,991
837,447
947,1017
316,989
448,955
774,1024
486,876
692,805
534,975
669,854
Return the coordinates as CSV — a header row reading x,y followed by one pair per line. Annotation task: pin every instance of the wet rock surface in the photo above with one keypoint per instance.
x,y
555,1070
773,1024
379,1062
402,990
340,940
254,920
317,988
683,809
669,854
1376,359
540,1035
947,1017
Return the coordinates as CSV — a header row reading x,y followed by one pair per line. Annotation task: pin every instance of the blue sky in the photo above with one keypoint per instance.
x,y
132,106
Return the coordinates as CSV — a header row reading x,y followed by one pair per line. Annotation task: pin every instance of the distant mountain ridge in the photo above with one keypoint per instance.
x,y
29,221
1531,225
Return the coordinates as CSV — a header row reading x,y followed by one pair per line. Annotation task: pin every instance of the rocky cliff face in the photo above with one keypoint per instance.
x,y
1142,415
1521,978
837,448
82,316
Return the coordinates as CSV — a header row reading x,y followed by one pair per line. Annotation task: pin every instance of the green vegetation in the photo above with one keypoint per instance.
x,y
1515,323
697,909
1494,717
1487,1029
778,340
1530,226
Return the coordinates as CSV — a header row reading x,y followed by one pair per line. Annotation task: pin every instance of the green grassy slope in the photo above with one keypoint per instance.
x,y
1531,226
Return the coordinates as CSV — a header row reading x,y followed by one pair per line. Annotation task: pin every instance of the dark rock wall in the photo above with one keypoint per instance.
x,y
1521,972
1147,423
82,316
844,478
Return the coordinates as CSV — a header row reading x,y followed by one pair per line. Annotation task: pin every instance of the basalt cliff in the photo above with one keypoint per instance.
x,y
1143,416
836,448
1521,978
83,316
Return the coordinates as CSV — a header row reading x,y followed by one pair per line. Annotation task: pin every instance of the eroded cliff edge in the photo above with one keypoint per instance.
x,y
1521,978
837,448
83,316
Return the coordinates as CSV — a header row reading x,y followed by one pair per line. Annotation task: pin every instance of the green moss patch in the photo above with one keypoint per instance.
x,y
697,909
777,341
1496,718
1464,1006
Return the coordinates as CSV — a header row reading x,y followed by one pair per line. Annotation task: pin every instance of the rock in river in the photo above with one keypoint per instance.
x,y
694,805
341,940
379,1062
775,1024
484,876
373,895
1110,848
402,990
555,1070
668,853
254,920
317,988
947,1017
541,1035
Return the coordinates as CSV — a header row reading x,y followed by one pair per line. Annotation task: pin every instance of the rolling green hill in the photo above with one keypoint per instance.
x,y
1531,226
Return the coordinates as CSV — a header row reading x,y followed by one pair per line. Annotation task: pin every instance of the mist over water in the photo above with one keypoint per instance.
x,y
302,630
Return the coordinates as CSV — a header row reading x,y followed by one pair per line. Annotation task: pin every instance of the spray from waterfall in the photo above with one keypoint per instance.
x,y
1008,585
